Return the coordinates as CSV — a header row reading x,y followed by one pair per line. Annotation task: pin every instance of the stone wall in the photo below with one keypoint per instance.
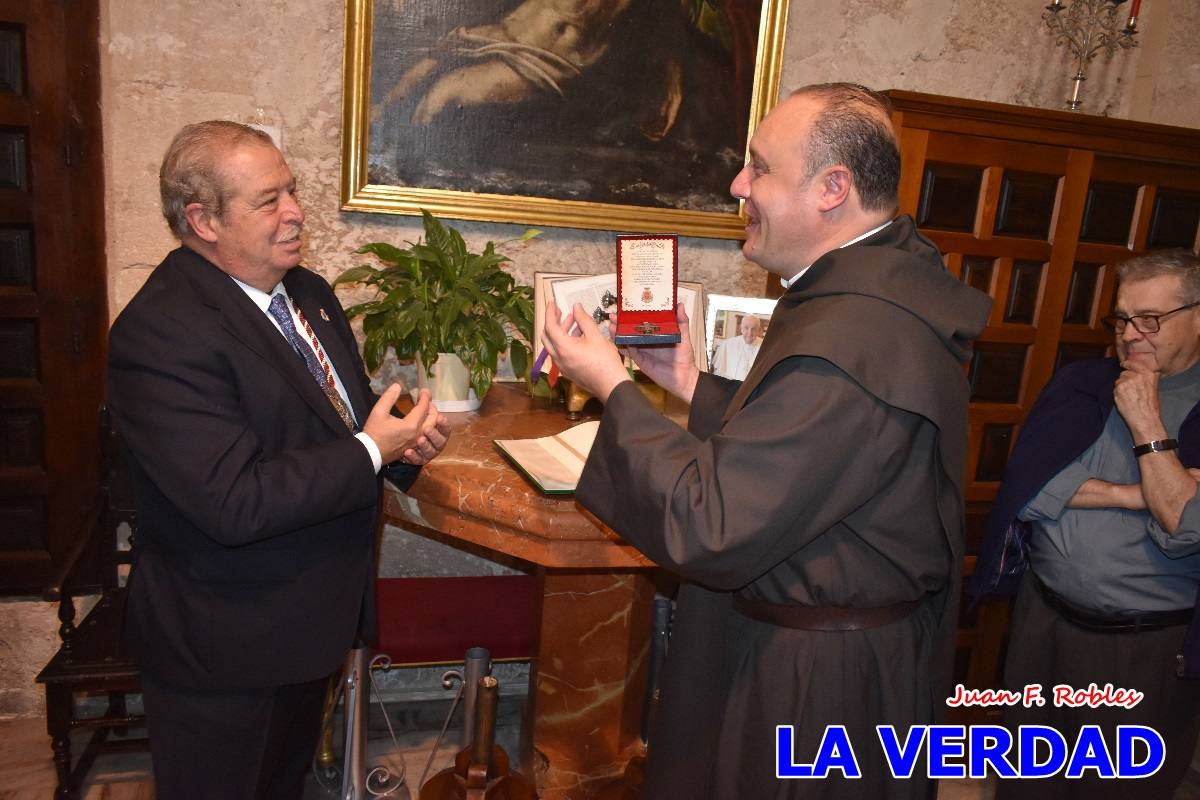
x,y
169,62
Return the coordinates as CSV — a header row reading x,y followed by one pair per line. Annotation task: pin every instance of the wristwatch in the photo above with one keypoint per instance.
x,y
1156,446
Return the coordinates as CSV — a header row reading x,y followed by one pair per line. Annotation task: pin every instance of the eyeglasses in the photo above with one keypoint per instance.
x,y
1143,323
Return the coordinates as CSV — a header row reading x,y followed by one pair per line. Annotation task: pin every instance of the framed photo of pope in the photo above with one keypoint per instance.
x,y
735,326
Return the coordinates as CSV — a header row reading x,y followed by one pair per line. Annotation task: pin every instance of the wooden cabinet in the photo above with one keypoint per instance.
x,y
1035,208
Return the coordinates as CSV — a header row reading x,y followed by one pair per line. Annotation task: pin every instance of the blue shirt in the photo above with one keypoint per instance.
x,y
1113,559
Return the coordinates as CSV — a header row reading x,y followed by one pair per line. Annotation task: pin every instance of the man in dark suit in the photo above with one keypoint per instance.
x,y
255,444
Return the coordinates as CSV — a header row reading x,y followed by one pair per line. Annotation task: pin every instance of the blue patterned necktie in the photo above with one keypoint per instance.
x,y
279,310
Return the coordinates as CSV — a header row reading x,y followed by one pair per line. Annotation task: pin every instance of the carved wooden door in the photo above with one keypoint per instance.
x,y
53,304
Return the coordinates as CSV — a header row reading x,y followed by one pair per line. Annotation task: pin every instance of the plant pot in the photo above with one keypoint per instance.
x,y
450,384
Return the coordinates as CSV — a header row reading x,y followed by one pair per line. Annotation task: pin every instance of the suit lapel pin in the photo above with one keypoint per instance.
x,y
324,315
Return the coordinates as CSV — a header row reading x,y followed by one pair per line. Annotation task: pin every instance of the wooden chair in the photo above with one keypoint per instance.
x,y
91,660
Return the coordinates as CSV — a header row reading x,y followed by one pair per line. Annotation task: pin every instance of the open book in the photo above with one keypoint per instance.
x,y
552,463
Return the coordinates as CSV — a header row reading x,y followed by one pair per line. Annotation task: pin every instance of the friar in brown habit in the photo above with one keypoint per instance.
x,y
814,511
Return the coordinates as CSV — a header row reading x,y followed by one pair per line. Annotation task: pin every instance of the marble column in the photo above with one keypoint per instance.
x,y
591,678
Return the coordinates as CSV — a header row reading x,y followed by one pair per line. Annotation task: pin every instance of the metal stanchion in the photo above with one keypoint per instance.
x,y
477,662
357,693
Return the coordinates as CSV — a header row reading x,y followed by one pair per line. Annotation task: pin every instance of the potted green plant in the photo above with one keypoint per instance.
x,y
452,310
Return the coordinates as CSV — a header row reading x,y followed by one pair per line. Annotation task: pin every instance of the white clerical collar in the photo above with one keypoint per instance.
x,y
787,282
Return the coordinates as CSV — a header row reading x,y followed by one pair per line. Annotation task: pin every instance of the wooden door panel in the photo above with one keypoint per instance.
x,y
985,151
53,306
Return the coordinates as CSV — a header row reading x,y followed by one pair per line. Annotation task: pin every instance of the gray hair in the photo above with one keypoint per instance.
x,y
1179,262
854,128
191,171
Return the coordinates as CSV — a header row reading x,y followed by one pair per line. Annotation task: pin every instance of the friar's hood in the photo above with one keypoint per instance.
x,y
900,267
887,313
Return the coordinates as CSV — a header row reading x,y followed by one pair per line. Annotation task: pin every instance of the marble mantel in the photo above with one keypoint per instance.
x,y
471,493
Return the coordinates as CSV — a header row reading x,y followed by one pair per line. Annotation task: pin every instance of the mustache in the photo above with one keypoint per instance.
x,y
291,234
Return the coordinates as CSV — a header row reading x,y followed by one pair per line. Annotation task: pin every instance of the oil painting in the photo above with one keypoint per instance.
x,y
611,114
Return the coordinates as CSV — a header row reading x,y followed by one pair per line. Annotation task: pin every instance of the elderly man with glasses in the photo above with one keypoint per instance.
x,y
1098,521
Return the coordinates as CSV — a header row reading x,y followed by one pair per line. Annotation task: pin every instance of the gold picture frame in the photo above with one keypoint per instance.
x,y
359,193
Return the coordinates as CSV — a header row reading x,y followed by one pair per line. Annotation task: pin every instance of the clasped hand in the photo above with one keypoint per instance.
x,y
415,438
